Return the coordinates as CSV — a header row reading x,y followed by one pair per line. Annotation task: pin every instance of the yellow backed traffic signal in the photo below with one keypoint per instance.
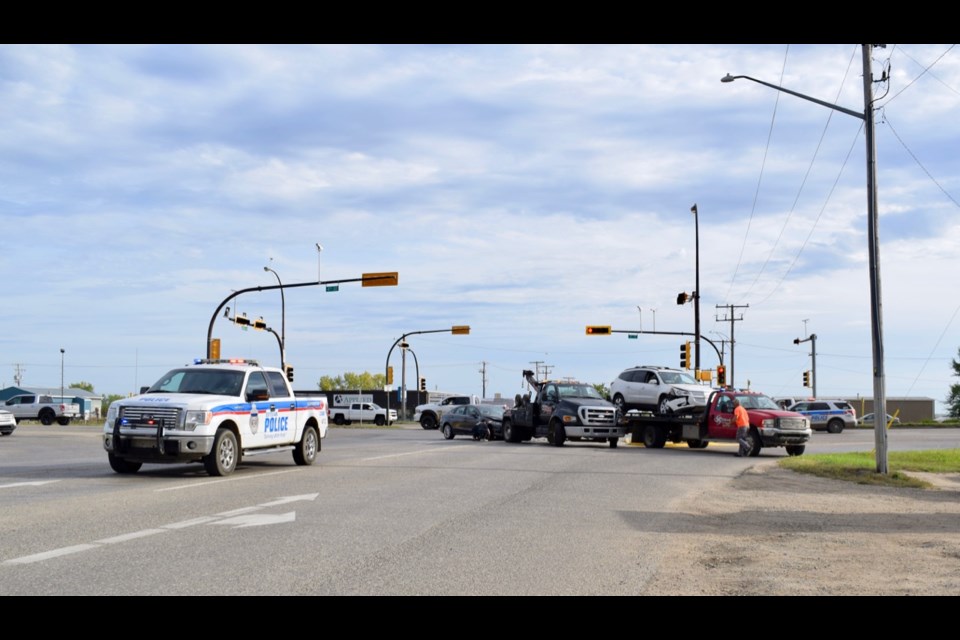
x,y
598,330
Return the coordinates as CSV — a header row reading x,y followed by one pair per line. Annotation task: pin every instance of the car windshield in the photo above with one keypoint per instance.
x,y
677,377
491,410
578,391
209,381
755,401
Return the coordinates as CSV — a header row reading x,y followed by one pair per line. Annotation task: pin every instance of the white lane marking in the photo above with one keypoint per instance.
x,y
56,553
37,483
207,482
243,517
258,519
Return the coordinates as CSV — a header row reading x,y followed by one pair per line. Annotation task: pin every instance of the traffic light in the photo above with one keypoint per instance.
x,y
721,376
423,384
289,369
460,330
389,375
682,298
242,320
806,378
685,355
595,330
260,324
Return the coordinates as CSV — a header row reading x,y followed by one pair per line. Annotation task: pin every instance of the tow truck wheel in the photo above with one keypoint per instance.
x,y
559,434
755,443
795,449
222,460
448,431
509,433
428,421
697,444
614,442
123,466
46,417
652,438
305,453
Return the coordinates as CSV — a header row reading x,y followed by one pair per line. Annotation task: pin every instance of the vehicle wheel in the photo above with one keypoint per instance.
x,y
509,433
835,426
755,443
663,408
428,421
338,419
63,420
46,416
305,453
652,438
123,466
697,444
223,458
620,403
558,433
448,431
613,442
795,449
379,420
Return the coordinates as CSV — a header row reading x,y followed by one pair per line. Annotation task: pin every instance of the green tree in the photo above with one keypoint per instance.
x,y
953,400
86,386
107,401
602,390
350,380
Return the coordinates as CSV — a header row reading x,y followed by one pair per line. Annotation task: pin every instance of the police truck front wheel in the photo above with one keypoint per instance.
x,y
123,466
305,453
223,459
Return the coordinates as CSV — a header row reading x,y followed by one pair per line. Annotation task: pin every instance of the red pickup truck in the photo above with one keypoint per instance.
x,y
770,426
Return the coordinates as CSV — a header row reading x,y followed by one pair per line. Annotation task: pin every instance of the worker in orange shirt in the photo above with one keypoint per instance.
x,y
742,420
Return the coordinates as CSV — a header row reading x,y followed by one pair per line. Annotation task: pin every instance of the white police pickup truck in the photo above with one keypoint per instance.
x,y
215,412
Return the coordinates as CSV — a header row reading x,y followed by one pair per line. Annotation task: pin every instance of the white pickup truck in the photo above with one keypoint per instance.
x,y
362,412
31,406
428,415
215,412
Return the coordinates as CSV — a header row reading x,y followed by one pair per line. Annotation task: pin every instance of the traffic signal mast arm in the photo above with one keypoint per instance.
x,y
657,333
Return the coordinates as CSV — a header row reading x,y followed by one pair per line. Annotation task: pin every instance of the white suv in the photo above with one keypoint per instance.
x,y
658,389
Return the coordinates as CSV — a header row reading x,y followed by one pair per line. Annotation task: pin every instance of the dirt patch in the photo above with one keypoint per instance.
x,y
772,531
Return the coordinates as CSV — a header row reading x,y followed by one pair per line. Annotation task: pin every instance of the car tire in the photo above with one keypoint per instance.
x,y
123,466
835,426
379,421
338,419
305,453
620,403
509,433
225,455
557,435
663,408
755,443
697,444
428,421
447,431
795,449
46,417
63,421
614,442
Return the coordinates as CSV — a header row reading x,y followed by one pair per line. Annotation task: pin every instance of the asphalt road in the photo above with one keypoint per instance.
x,y
383,512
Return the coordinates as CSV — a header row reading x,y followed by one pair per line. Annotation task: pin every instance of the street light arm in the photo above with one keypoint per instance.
x,y
829,105
233,295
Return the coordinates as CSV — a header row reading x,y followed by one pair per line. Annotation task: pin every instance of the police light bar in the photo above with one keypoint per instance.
x,y
248,361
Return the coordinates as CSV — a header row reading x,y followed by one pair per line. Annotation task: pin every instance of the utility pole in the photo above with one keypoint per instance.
x,y
483,377
18,375
730,310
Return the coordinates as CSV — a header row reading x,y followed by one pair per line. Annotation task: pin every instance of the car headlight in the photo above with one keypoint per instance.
x,y
681,392
112,412
769,423
193,419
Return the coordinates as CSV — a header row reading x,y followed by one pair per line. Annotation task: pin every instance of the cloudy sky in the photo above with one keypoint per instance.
x,y
524,190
